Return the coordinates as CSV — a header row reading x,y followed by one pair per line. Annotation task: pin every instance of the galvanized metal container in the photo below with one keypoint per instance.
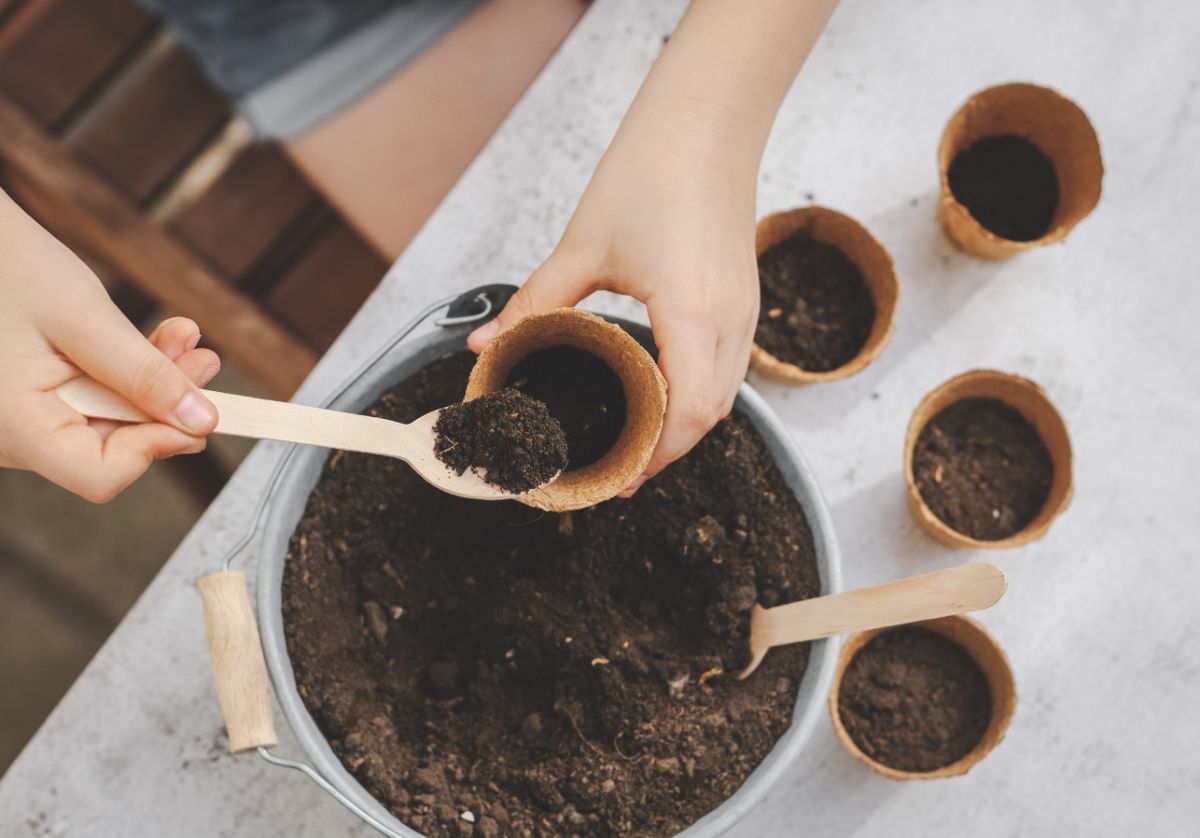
x,y
300,475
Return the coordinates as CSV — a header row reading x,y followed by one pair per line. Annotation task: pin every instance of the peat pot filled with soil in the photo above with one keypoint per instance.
x,y
1020,166
828,296
987,461
460,668
922,701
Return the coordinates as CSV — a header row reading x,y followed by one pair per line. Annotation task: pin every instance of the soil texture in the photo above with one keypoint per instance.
x,y
983,468
510,435
552,675
914,700
1008,185
817,311
583,394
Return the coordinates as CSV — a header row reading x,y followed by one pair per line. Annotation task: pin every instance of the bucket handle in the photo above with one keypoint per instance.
x,y
238,664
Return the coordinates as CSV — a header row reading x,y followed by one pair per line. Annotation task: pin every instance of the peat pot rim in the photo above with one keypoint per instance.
x,y
983,649
302,471
1057,126
643,384
873,261
1031,401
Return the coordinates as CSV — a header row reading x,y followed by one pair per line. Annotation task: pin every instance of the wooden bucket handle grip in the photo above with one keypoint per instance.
x,y
238,664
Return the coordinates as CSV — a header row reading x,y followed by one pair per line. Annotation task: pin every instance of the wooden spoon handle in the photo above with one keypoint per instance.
x,y
972,587
262,419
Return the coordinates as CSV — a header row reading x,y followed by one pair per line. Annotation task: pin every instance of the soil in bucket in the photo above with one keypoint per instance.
x,y
816,311
914,700
1008,185
510,436
582,393
982,468
550,674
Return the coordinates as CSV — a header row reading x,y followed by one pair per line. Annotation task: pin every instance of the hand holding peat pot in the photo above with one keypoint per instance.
x,y
264,419
942,593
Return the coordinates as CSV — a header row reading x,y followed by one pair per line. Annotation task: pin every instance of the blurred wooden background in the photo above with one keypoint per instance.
x,y
112,138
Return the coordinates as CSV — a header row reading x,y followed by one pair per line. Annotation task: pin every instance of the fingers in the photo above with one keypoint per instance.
x,y
58,444
176,337
705,364
105,345
687,357
199,365
562,280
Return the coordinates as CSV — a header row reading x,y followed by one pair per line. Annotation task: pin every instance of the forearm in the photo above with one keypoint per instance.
x,y
715,90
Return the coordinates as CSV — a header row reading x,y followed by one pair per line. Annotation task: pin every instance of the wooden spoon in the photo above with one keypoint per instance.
x,y
972,587
265,419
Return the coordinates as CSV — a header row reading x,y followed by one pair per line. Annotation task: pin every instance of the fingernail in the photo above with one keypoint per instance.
x,y
193,342
487,331
191,448
195,414
632,488
208,375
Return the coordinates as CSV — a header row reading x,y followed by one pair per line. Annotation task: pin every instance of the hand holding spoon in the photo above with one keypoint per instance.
x,y
266,419
972,587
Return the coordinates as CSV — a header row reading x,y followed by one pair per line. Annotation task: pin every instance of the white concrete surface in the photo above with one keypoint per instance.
x,y
1101,620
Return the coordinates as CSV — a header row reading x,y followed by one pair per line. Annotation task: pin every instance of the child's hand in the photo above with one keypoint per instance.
x,y
677,234
669,215
56,322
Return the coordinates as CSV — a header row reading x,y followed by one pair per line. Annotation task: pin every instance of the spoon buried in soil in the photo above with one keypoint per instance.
x,y
972,587
265,419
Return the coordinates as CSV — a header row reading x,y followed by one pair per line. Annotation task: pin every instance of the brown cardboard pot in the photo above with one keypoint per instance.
x,y
1032,402
868,255
1053,123
986,652
645,399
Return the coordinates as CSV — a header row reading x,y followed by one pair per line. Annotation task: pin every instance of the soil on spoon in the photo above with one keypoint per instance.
x,y
914,700
982,468
550,674
1008,185
816,311
582,393
509,435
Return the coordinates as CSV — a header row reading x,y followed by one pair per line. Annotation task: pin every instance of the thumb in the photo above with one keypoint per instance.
x,y
562,280
106,346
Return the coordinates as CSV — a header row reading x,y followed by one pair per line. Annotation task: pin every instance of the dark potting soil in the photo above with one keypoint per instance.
x,y
510,435
817,311
551,674
983,468
1008,185
914,700
583,394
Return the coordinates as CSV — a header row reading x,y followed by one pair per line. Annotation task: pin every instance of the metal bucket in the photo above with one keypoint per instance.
x,y
300,474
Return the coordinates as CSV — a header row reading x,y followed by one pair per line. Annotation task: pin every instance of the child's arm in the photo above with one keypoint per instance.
x,y
55,321
668,217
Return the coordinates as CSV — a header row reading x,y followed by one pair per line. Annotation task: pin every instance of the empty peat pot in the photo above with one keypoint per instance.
x,y
286,507
969,636
1030,403
1029,161
638,384
873,263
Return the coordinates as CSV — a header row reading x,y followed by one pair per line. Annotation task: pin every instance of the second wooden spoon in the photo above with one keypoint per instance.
x,y
972,587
